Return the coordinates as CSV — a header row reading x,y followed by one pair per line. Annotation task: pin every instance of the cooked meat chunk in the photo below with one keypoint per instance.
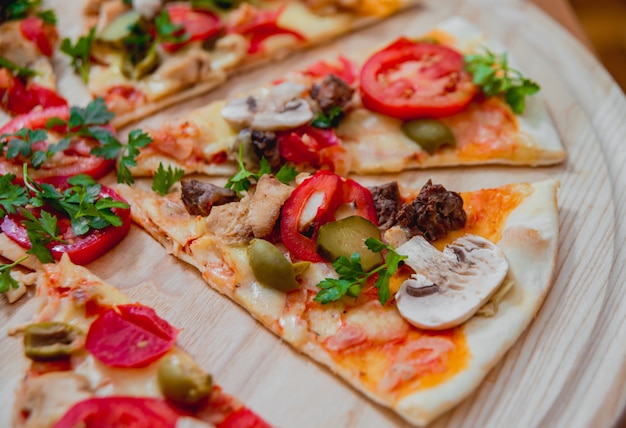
x,y
434,213
15,47
387,203
230,222
265,145
331,92
194,66
266,203
200,197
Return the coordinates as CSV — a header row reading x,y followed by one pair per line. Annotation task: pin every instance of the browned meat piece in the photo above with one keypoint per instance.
x,y
331,92
434,213
387,203
265,204
200,197
265,145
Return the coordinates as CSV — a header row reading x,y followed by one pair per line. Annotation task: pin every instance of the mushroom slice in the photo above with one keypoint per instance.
x,y
279,108
450,286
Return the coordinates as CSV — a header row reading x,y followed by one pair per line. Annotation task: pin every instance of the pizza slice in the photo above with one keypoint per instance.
x,y
410,297
27,40
97,358
144,55
439,99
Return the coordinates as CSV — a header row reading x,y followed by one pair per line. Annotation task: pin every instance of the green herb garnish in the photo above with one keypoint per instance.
x,y
6,280
352,278
494,76
330,120
20,9
16,69
242,180
164,179
12,196
80,53
136,139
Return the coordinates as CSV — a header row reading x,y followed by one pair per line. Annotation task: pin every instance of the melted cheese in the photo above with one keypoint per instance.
x,y
314,28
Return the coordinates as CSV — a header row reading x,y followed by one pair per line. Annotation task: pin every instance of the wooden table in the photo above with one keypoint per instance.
x,y
568,369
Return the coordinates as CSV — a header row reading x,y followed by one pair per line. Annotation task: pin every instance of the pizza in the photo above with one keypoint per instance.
x,y
411,297
371,115
144,55
97,356
409,294
28,37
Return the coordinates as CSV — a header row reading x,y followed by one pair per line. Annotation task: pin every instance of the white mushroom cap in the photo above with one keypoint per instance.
x,y
450,286
279,108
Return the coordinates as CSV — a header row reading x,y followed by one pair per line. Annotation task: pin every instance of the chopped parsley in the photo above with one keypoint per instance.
x,y
494,76
330,120
6,280
164,179
352,278
16,69
80,53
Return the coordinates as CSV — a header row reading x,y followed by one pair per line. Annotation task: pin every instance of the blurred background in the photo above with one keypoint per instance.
x,y
604,21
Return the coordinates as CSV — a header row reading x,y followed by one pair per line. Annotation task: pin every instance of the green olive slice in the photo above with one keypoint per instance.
x,y
271,268
51,340
182,381
430,134
347,236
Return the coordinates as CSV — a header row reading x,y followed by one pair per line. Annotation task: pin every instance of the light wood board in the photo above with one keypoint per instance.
x,y
568,369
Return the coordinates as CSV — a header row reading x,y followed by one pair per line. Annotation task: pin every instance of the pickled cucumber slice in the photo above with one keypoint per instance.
x,y
347,236
119,28
430,134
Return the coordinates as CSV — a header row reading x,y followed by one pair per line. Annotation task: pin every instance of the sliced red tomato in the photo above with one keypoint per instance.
x,y
76,159
263,25
129,336
81,249
346,69
243,418
43,35
45,97
118,412
314,203
198,24
410,80
310,145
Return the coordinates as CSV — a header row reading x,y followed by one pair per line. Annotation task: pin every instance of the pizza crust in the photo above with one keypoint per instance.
x,y
529,238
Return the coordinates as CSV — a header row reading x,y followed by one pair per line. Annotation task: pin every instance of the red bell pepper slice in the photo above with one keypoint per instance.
x,y
345,70
334,191
129,336
117,411
263,25
243,418
198,24
310,145
43,35
81,249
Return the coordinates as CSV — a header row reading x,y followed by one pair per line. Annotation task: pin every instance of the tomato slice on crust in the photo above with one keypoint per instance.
x,y
243,418
81,249
129,336
409,80
198,24
43,35
76,159
117,411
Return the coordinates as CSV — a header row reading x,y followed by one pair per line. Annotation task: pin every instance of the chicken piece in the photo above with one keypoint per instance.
x,y
14,47
23,279
47,397
265,204
194,66
230,222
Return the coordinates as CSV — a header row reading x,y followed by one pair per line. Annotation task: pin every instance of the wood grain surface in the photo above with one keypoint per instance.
x,y
568,369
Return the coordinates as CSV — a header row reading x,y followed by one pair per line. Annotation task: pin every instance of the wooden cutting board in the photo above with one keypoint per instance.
x,y
568,369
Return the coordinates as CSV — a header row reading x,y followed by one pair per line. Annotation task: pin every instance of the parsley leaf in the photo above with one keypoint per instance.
x,y
6,280
494,76
352,278
136,139
48,16
20,144
168,31
164,179
41,231
17,9
241,181
16,69
12,196
80,53
331,120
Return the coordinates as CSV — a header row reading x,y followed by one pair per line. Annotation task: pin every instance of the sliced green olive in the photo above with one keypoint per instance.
x,y
145,66
51,340
182,381
430,134
271,268
347,236
120,27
